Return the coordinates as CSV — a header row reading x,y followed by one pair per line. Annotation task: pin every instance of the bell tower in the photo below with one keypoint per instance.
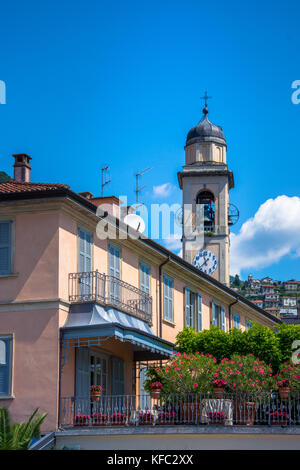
x,y
205,182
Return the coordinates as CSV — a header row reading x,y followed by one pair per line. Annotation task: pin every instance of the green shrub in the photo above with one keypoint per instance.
x,y
274,346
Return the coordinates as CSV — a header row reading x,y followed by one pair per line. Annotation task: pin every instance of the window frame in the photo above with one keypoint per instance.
x,y
9,338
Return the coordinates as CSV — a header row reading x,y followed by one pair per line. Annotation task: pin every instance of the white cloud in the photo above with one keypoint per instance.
x,y
271,234
173,243
164,190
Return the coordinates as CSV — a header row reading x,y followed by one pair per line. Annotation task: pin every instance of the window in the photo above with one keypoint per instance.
x,y
5,247
145,278
236,321
218,316
5,365
168,299
248,325
193,309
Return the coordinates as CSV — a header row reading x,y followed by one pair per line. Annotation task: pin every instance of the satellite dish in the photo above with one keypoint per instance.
x,y
135,221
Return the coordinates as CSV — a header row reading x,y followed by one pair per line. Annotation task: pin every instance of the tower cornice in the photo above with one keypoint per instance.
x,y
192,172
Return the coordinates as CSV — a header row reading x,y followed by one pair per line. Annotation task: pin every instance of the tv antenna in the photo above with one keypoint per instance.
x,y
105,178
137,188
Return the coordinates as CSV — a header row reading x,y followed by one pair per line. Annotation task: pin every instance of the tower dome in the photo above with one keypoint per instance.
x,y
205,131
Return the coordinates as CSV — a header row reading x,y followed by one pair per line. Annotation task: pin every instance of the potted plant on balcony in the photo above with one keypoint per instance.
x,y
217,417
146,418
219,387
279,418
117,419
250,380
99,419
288,380
166,417
156,388
95,392
82,420
283,388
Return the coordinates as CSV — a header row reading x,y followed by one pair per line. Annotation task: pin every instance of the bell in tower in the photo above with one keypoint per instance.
x,y
205,182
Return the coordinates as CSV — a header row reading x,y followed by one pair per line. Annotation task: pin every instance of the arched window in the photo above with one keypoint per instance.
x,y
206,204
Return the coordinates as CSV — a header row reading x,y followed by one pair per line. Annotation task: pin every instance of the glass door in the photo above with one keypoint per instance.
x,y
98,371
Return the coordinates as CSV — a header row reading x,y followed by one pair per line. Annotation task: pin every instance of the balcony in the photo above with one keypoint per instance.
x,y
94,286
266,409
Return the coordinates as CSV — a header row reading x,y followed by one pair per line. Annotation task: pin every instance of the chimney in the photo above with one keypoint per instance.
x,y
22,167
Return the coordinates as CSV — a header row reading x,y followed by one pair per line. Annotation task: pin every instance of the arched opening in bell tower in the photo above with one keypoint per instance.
x,y
205,203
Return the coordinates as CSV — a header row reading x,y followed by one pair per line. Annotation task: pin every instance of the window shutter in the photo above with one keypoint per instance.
x,y
114,261
171,299
187,306
82,381
168,299
223,326
5,366
5,247
214,314
117,376
145,278
199,312
166,296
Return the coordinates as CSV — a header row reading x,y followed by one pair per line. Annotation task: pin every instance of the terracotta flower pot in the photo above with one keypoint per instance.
x,y
278,422
244,413
216,423
219,392
95,396
284,392
155,393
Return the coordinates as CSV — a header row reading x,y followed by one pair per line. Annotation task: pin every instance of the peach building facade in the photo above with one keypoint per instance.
x,y
78,310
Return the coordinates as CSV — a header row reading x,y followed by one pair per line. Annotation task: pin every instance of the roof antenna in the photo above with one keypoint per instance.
x,y
105,178
137,188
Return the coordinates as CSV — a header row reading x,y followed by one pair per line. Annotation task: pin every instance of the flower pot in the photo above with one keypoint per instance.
x,y
244,413
82,420
284,392
155,393
278,422
95,396
99,420
190,413
216,423
219,392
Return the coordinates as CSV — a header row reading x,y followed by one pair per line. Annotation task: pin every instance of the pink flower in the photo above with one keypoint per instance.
x,y
196,385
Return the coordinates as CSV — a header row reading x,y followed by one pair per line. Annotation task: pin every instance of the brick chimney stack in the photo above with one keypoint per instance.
x,y
22,167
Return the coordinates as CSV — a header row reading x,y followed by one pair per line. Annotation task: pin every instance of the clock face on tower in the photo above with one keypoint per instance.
x,y
206,261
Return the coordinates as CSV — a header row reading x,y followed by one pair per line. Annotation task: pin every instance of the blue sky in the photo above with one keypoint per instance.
x,y
94,83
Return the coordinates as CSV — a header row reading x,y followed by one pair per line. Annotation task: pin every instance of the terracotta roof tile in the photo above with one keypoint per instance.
x,y
20,187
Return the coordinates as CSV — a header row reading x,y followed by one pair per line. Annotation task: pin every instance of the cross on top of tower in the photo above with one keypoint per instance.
x,y
205,98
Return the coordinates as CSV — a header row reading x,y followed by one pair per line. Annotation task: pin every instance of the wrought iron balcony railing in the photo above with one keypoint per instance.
x,y
264,409
94,286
